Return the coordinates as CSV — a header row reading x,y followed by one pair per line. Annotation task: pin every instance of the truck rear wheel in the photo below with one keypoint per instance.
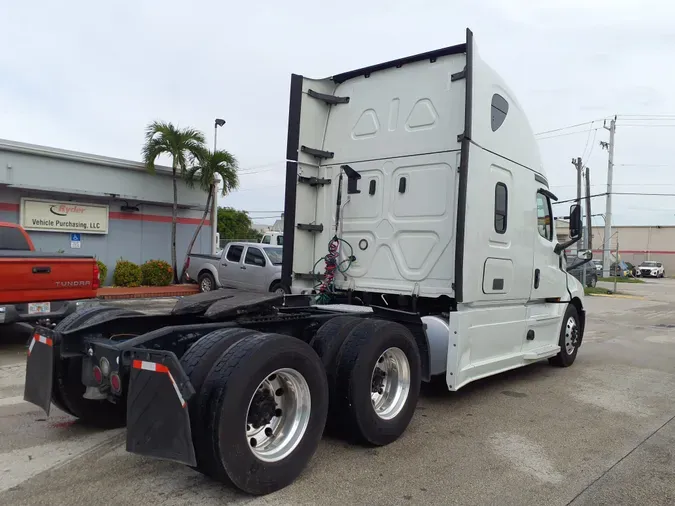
x,y
67,387
570,339
327,343
378,382
267,412
197,363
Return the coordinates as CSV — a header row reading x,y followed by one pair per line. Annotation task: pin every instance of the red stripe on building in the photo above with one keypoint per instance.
x,y
639,252
156,218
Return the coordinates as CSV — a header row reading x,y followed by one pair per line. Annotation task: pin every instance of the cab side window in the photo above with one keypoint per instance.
x,y
544,217
266,239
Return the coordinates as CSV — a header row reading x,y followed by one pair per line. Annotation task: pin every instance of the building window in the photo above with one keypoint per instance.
x,y
254,257
500,107
234,253
544,217
501,207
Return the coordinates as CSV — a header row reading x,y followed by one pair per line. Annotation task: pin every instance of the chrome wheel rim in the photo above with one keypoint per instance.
x,y
390,383
278,415
280,291
571,335
206,285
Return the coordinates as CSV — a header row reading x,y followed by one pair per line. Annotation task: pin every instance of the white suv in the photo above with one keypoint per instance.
x,y
651,269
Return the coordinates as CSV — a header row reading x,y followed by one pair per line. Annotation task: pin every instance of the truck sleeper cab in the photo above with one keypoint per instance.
x,y
419,242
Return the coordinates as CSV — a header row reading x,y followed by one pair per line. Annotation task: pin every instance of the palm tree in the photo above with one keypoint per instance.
x,y
205,174
183,146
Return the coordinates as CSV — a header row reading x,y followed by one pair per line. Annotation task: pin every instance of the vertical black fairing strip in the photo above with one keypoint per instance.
x,y
464,171
292,147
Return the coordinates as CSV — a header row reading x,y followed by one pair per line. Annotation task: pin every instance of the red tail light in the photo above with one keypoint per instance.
x,y
96,282
187,264
115,383
98,374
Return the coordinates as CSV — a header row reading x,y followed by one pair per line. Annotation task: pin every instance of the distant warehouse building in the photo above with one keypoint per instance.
x,y
636,243
94,205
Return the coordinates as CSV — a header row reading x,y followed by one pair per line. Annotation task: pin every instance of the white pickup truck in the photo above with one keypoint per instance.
x,y
248,266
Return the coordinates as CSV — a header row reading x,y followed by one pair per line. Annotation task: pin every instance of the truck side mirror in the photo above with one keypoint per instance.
x,y
575,221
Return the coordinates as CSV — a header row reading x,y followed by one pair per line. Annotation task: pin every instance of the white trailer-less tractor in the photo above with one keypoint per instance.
x,y
419,243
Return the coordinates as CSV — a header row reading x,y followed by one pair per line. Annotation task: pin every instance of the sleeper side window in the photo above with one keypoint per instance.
x,y
499,110
544,217
501,207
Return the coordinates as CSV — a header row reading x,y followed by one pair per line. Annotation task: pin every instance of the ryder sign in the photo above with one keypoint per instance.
x,y
56,216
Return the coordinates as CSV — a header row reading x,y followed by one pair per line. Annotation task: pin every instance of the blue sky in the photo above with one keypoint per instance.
x,y
89,77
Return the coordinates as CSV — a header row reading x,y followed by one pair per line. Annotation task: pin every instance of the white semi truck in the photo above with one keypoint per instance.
x,y
419,243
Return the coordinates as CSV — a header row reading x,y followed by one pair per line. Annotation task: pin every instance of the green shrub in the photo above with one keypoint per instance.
x,y
127,274
157,273
102,271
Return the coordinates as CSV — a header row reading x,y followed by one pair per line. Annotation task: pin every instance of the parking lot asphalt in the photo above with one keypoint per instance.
x,y
600,432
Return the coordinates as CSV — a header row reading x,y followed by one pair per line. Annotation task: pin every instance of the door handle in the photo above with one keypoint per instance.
x,y
42,270
243,267
536,278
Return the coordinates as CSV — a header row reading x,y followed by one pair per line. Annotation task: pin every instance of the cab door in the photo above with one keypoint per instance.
x,y
548,279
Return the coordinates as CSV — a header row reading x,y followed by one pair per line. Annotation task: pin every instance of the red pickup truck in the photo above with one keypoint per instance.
x,y
40,287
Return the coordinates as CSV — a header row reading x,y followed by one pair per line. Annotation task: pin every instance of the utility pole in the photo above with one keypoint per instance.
x,y
589,227
578,165
606,247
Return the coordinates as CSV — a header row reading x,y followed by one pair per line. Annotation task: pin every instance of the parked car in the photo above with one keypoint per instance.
x,y
249,266
621,269
276,238
652,269
591,273
40,287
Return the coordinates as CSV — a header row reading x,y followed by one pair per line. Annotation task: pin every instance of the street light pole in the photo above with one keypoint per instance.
x,y
214,206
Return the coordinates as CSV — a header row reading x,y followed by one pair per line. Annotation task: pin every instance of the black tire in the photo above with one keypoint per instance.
x,y
565,358
197,362
234,379
327,343
67,387
278,286
355,367
207,282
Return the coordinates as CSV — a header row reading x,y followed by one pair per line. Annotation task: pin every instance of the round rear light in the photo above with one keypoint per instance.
x,y
115,383
98,375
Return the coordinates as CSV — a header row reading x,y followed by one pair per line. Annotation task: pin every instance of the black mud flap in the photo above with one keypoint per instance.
x,y
158,422
39,371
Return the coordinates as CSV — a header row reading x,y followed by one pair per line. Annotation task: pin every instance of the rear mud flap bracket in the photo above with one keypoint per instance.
x,y
39,371
158,421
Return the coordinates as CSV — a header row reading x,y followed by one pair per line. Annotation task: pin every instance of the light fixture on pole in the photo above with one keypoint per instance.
x,y
214,207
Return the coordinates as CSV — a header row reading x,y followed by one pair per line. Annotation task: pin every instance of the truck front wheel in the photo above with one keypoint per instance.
x,y
570,339
377,382
267,412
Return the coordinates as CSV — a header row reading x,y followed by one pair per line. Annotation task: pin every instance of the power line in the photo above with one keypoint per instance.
x,y
566,134
567,127
672,116
633,194
623,125
592,146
